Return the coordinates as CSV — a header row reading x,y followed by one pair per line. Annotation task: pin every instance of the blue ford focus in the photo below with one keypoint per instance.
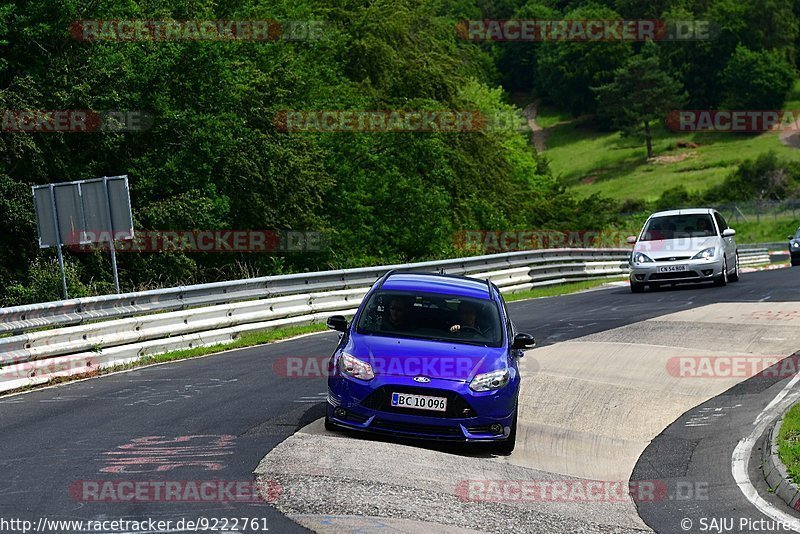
x,y
428,356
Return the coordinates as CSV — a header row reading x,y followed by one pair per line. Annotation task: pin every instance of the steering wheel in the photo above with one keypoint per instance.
x,y
474,329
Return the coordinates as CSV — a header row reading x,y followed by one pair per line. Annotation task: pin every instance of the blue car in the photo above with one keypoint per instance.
x,y
428,356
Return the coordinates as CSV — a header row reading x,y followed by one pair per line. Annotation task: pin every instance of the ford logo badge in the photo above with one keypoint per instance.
x,y
422,379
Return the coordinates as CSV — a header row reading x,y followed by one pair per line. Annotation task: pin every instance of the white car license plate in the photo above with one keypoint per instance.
x,y
419,402
671,268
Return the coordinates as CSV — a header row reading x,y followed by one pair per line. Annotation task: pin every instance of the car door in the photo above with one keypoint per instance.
x,y
728,243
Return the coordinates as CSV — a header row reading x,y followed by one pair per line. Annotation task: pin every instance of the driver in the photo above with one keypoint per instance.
x,y
467,316
399,316
703,226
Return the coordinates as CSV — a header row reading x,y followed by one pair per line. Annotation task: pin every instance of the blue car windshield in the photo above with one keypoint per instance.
x,y
432,316
678,227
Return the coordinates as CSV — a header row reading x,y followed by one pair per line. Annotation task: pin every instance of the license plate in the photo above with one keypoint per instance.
x,y
671,268
419,402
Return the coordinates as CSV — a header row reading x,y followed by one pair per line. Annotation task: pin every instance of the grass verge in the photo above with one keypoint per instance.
x,y
789,443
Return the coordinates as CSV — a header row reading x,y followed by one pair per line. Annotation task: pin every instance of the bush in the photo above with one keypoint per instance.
x,y
756,80
44,283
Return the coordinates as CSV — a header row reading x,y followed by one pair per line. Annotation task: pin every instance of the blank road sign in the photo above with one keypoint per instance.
x,y
83,211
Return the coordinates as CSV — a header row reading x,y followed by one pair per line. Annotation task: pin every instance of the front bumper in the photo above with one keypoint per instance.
x,y
695,271
469,417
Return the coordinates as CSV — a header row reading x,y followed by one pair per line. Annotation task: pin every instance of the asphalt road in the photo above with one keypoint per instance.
x,y
214,418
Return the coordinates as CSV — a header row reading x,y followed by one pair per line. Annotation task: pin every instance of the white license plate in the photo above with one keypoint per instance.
x,y
671,268
419,402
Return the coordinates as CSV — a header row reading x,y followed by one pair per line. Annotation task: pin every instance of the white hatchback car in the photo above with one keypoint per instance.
x,y
679,246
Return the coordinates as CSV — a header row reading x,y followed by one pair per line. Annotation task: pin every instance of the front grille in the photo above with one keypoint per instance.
x,y
673,258
380,400
410,428
674,275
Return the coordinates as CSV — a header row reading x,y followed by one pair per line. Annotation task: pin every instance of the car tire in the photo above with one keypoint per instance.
x,y
722,279
504,448
735,276
636,287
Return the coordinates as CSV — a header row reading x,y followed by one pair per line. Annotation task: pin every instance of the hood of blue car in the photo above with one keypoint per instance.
x,y
392,356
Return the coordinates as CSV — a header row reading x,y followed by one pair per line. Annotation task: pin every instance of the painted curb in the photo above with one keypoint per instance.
x,y
774,471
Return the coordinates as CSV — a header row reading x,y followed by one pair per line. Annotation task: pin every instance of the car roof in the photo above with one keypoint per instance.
x,y
690,211
447,284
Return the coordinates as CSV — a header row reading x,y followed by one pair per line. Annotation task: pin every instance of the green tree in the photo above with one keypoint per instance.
x,y
641,93
566,70
756,79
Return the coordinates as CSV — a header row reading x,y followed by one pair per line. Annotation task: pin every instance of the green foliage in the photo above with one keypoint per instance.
x,y
44,284
640,94
214,159
756,80
765,178
566,70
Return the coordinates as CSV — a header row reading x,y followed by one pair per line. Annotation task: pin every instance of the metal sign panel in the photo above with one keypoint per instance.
x,y
87,211
44,217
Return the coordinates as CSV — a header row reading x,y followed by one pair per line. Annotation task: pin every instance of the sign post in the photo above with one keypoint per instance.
x,y
84,212
58,243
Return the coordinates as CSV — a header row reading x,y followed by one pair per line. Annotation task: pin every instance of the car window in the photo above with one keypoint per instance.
x,y
678,226
721,222
432,316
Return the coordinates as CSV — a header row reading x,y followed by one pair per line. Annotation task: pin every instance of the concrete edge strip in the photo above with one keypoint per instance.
x,y
741,455
775,472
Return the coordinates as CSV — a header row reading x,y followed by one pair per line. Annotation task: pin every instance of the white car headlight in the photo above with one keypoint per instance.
x,y
705,254
352,366
490,381
638,257
796,245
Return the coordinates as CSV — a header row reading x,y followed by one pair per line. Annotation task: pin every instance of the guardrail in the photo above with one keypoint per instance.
x,y
753,256
124,328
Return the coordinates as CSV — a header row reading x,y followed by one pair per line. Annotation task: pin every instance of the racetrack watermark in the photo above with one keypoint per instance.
x,y
191,241
431,366
386,121
51,367
492,241
733,366
67,120
579,491
599,30
166,491
94,30
738,121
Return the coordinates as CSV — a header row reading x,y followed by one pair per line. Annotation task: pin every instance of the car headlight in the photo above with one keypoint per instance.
x,y
490,381
705,254
638,257
352,366
795,245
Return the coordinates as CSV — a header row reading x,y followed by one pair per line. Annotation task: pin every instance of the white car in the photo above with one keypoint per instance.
x,y
679,246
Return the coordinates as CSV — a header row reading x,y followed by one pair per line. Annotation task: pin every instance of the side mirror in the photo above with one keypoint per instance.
x,y
728,232
337,322
631,239
789,237
523,341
